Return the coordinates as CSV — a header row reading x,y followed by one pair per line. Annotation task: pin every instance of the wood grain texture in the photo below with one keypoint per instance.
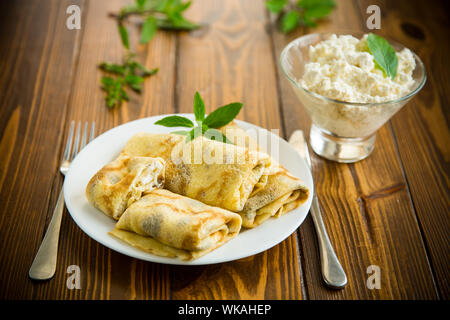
x,y
389,210
35,57
106,274
366,205
421,128
232,61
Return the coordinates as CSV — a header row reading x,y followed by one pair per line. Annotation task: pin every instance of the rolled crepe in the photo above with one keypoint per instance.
x,y
282,193
171,225
123,181
215,173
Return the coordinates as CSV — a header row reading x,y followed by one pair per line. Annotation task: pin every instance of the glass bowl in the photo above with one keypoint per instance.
x,y
342,131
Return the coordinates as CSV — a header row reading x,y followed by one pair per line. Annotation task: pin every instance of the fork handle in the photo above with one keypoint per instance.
x,y
332,272
44,264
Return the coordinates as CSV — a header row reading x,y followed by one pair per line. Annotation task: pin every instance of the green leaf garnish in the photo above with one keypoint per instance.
x,y
223,115
276,6
216,135
181,132
155,14
304,12
199,107
194,133
290,21
316,9
113,68
141,3
129,74
114,89
384,55
205,126
148,29
124,36
175,121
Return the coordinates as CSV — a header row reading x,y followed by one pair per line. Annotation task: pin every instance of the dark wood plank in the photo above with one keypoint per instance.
x,y
106,274
37,54
421,128
233,61
367,207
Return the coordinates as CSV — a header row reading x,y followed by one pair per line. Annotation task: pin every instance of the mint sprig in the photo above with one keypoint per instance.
x,y
302,13
206,126
128,74
384,55
155,14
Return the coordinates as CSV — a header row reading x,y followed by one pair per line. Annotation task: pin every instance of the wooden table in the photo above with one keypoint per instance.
x,y
390,210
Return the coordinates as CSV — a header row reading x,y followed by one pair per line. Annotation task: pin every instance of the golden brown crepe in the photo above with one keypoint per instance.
x,y
282,193
215,173
123,181
171,225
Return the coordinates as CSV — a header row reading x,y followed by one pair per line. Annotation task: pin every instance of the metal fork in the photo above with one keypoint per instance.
x,y
44,264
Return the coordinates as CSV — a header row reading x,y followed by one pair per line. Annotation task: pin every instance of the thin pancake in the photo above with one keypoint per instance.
x,y
171,225
282,193
215,173
123,181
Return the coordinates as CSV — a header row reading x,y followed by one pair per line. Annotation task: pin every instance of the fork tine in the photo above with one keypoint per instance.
x,y
85,132
77,141
91,137
69,142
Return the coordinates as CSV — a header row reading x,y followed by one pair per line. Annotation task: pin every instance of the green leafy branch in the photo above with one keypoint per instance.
x,y
206,125
302,13
131,73
156,14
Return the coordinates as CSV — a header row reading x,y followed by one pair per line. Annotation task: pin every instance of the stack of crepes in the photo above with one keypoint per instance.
x,y
211,189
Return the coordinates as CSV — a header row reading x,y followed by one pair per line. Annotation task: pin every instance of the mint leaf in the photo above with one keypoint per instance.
x,y
183,6
276,6
124,36
133,65
181,132
384,54
149,72
175,121
206,126
216,135
114,91
199,107
290,21
141,3
113,68
223,115
134,81
194,133
148,29
107,82
316,9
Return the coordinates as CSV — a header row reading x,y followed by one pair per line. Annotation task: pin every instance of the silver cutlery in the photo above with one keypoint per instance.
x,y
44,264
332,272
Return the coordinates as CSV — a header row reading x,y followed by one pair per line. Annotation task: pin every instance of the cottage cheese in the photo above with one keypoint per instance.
x,y
342,68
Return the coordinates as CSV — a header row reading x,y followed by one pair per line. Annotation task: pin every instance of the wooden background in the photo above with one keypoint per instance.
x,y
390,210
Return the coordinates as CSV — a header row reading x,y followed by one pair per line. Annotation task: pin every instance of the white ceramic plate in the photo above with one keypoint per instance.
x,y
97,225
